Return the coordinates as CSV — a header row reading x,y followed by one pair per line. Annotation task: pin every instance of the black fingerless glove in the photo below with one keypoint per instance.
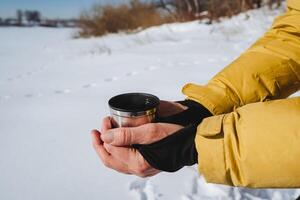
x,y
193,115
177,150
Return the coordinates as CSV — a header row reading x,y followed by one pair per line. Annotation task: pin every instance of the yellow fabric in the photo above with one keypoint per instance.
x,y
257,144
267,70
293,4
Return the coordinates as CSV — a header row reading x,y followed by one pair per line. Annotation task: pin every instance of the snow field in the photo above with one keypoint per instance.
x,y
54,90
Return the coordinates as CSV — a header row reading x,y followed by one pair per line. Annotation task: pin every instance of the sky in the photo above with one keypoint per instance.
x,y
50,8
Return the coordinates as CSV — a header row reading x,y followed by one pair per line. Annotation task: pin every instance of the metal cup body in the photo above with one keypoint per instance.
x,y
133,109
132,119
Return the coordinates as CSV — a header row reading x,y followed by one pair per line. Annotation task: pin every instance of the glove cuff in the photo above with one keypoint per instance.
x,y
177,150
173,152
192,115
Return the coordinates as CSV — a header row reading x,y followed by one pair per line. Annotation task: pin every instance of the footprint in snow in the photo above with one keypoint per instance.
x,y
10,79
195,185
138,186
111,79
28,95
151,68
66,91
58,92
143,189
132,73
89,85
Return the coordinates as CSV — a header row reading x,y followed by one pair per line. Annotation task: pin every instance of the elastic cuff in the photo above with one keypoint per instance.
x,y
173,152
210,147
212,97
194,114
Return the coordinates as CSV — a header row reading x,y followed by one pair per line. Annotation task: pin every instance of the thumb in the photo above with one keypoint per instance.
x,y
126,136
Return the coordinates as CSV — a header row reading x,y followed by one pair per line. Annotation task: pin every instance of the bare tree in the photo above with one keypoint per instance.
x,y
197,7
19,17
33,16
190,9
271,2
164,5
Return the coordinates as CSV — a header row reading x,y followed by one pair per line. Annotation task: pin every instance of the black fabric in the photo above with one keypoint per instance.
x,y
193,115
177,150
173,152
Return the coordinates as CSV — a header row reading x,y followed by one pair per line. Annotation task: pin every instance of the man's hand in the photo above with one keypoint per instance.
x,y
113,146
168,108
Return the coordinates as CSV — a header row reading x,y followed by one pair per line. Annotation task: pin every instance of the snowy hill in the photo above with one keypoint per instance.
x,y
54,90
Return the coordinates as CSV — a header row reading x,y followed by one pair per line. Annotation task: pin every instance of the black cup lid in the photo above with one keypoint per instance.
x,y
133,102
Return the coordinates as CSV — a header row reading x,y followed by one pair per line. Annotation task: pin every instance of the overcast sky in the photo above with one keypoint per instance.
x,y
50,8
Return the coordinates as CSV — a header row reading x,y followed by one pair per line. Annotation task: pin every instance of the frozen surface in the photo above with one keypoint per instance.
x,y
54,89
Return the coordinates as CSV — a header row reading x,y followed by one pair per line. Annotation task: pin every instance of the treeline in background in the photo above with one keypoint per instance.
x,y
32,18
136,15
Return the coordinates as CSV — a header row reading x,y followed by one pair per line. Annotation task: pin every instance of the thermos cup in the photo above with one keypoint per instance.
x,y
133,109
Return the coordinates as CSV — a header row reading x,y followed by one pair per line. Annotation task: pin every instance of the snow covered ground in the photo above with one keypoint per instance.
x,y
54,90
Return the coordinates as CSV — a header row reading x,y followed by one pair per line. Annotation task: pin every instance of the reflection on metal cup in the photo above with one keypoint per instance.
x,y
133,109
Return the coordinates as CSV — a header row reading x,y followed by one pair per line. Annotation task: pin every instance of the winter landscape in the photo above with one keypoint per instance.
x,y
54,89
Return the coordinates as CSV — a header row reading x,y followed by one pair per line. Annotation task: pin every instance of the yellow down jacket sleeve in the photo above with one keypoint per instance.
x,y
253,140
255,146
269,69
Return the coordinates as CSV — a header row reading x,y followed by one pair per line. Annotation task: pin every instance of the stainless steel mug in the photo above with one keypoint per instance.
x,y
133,109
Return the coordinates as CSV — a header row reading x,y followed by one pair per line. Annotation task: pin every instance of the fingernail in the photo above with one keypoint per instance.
x,y
107,137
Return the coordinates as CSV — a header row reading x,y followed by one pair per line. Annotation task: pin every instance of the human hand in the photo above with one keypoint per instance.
x,y
167,146
114,150
169,108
